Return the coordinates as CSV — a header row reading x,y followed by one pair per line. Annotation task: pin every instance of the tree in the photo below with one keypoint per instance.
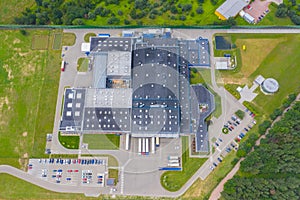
x,y
240,114
199,10
187,7
277,112
23,32
120,12
182,18
113,20
264,126
230,21
126,22
77,21
214,2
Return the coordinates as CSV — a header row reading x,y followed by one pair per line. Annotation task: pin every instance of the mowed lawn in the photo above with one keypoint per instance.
x,y
202,189
271,55
102,141
9,9
174,180
29,82
283,65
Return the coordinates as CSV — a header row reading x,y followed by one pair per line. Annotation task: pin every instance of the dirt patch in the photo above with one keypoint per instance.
x,y
4,103
17,49
23,163
256,51
24,134
23,54
9,71
16,41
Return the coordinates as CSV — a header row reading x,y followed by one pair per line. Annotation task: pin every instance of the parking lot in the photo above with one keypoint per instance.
x,y
237,129
258,10
75,172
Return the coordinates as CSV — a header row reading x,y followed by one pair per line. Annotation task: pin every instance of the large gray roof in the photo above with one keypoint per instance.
x,y
231,8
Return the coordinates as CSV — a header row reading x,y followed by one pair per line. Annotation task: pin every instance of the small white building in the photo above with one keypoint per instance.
x,y
85,47
259,80
247,17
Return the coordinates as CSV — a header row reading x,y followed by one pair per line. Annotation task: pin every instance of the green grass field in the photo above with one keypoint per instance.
x,y
88,35
82,64
277,58
68,39
202,189
102,141
57,41
174,180
9,9
29,84
40,42
70,142
113,173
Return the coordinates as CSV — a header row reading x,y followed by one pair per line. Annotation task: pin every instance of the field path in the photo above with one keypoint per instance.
x,y
216,194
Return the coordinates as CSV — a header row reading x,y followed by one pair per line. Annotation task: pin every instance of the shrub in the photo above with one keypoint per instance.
x,y
232,90
240,114
251,107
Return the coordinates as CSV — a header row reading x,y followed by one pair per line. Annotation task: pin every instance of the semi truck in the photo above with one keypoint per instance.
x,y
127,142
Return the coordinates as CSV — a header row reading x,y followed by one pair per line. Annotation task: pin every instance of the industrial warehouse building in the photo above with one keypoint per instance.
x,y
230,8
141,87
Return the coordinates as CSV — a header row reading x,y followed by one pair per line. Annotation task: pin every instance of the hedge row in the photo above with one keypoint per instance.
x,y
251,107
232,90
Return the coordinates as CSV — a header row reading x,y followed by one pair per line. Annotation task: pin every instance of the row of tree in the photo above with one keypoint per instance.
x,y
290,9
77,12
272,170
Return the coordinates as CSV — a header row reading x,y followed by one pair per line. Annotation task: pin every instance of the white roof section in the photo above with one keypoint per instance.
x,y
249,18
231,8
259,80
119,63
85,47
242,13
222,62
270,85
109,98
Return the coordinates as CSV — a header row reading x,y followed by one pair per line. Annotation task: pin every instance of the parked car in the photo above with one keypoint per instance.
x,y
233,117
219,159
228,149
217,144
246,129
215,164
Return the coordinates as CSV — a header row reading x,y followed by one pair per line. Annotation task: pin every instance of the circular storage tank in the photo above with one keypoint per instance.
x,y
270,85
